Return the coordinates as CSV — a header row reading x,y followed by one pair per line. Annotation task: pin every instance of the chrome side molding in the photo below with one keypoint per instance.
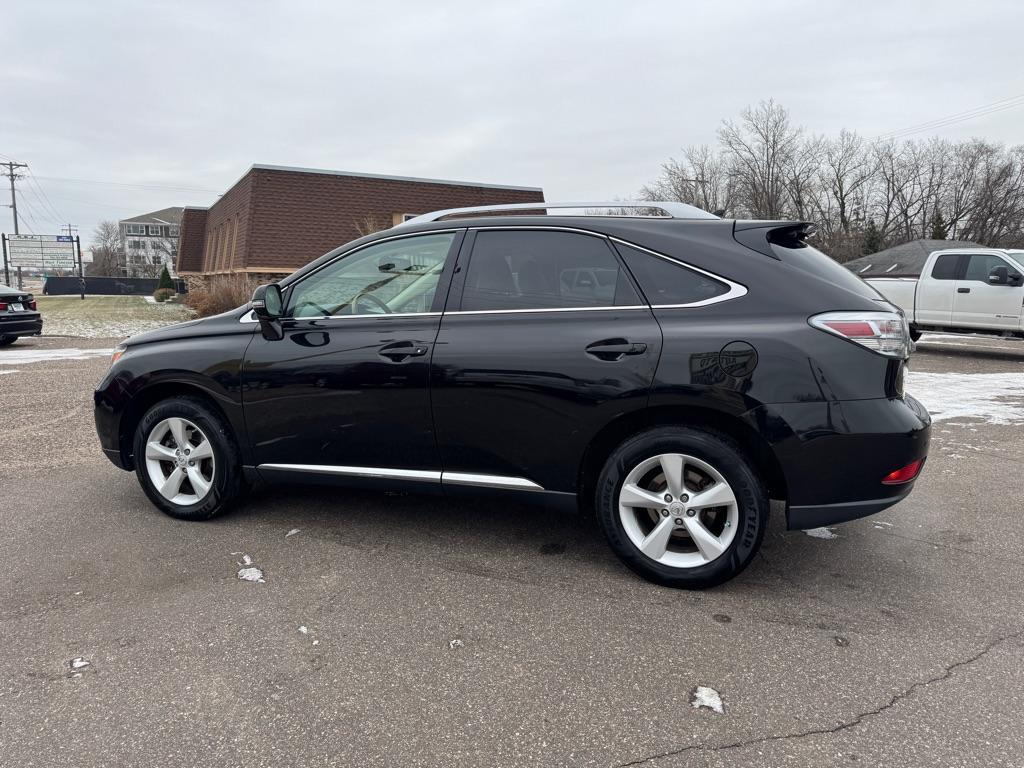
x,y
488,481
420,475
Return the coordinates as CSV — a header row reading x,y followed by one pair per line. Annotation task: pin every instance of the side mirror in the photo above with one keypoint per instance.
x,y
268,307
999,276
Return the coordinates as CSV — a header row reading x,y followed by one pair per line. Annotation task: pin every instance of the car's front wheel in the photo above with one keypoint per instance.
x,y
682,507
186,459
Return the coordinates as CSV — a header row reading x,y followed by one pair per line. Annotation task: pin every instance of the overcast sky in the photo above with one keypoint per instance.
x,y
174,101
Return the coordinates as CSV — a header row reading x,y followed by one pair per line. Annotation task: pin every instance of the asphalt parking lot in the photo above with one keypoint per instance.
x,y
399,630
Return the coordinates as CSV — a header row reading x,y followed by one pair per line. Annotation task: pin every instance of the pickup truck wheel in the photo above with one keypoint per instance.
x,y
915,335
186,459
682,507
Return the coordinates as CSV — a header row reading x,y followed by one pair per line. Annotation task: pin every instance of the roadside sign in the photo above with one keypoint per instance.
x,y
41,251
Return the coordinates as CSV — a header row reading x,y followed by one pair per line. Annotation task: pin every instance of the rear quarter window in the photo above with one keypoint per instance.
x,y
666,282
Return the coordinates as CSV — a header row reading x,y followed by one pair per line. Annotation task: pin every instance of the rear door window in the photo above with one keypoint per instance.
x,y
666,282
535,269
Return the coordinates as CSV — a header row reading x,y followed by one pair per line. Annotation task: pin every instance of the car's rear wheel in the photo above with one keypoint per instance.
x,y
186,459
682,507
6,341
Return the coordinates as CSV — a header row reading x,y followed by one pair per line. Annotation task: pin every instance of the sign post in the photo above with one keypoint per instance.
x,y
7,271
81,271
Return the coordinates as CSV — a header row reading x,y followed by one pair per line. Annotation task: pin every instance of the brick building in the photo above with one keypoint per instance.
x,y
276,219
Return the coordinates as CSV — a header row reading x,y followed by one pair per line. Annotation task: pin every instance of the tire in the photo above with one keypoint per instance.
x,y
710,459
915,335
214,480
6,341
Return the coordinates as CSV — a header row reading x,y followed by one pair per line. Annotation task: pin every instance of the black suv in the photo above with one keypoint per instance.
x,y
669,369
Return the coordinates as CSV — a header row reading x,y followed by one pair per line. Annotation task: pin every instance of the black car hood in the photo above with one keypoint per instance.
x,y
215,325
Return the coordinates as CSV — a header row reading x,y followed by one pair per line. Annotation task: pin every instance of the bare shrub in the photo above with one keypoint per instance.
x,y
221,294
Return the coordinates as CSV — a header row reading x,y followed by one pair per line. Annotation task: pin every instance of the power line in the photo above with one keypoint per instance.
x,y
42,213
1010,102
29,214
131,186
39,189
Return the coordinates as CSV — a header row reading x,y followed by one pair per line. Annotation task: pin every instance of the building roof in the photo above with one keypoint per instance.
x,y
421,180
163,216
903,260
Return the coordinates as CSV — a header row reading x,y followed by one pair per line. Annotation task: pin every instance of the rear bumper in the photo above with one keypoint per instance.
x,y
803,517
17,324
834,455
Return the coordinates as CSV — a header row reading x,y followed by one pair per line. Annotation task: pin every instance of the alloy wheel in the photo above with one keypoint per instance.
x,y
179,461
678,510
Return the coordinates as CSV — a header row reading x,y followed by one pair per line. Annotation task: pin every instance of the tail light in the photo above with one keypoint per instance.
x,y
3,306
32,305
886,333
904,474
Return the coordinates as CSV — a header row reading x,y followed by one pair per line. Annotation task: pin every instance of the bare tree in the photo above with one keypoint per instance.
x,y
863,196
699,178
107,250
761,152
368,224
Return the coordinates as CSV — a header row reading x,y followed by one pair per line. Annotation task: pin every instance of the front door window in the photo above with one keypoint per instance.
x,y
394,277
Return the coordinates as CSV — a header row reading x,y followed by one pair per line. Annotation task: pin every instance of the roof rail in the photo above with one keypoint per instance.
x,y
669,210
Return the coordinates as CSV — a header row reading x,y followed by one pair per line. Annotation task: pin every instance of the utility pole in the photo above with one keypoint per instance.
x,y
10,173
69,229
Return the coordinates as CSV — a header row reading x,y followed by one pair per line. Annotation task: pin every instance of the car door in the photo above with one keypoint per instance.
x,y
933,304
345,391
544,341
980,304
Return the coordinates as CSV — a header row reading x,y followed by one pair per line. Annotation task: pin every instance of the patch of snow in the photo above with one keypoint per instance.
x,y
881,525
246,560
707,698
316,642
3,372
303,629
15,356
456,643
997,398
292,532
821,533
79,663
251,574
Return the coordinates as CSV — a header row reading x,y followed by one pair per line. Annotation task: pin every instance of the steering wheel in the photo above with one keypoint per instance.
x,y
303,304
373,300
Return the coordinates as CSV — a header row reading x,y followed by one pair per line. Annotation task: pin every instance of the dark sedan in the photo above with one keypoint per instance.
x,y
19,315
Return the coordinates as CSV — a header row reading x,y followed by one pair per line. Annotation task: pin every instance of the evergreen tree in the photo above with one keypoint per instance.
x,y
165,279
872,238
939,228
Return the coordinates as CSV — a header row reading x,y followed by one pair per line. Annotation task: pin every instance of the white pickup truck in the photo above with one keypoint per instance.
x,y
972,290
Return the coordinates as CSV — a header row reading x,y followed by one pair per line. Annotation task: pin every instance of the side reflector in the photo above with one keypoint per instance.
x,y
904,474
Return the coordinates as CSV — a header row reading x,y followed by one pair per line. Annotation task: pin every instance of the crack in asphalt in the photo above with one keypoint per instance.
x,y
841,726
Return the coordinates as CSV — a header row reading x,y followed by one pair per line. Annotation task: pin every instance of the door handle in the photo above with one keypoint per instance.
x,y
615,349
963,290
401,350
